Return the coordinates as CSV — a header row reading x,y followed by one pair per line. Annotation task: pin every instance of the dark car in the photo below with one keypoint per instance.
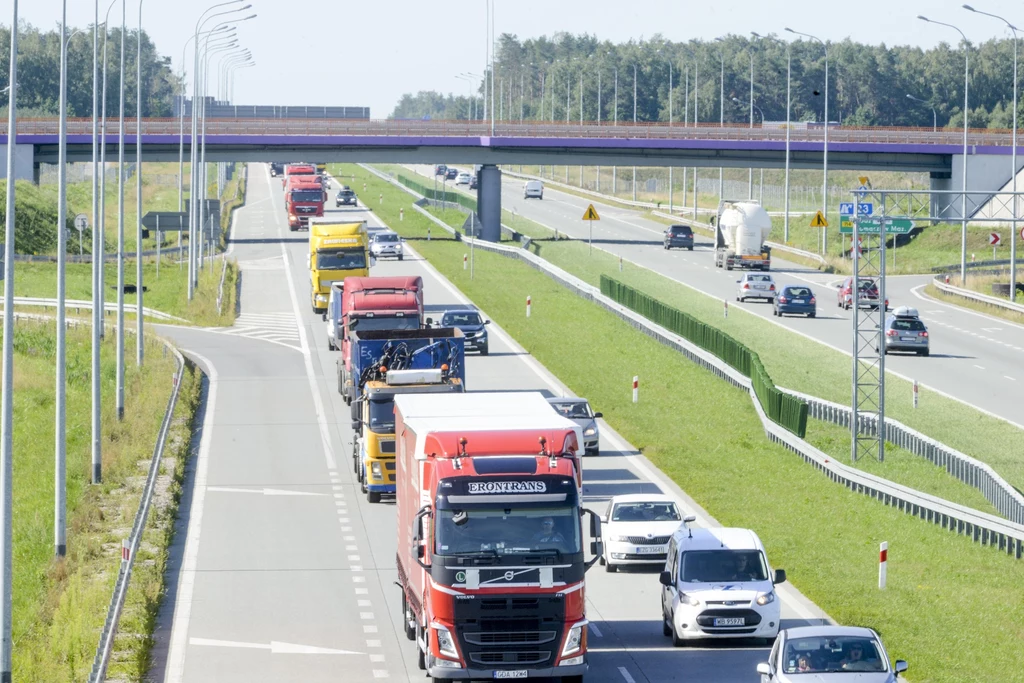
x,y
680,237
867,295
440,169
451,173
904,331
471,325
472,181
346,196
795,299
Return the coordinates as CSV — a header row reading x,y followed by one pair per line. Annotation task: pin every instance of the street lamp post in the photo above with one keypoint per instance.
x,y
963,201
721,118
1013,156
634,123
60,427
97,285
935,118
103,180
824,181
696,90
120,228
615,169
139,339
750,171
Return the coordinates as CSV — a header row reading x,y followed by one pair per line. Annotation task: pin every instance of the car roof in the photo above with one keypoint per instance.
x,y
642,498
829,630
715,538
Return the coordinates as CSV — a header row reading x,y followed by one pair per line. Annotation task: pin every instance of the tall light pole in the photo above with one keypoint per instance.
x,y
670,179
120,229
696,89
750,171
60,426
721,118
7,392
935,118
103,180
789,92
181,119
634,123
686,122
97,285
139,340
824,163
615,169
963,202
1013,155
470,108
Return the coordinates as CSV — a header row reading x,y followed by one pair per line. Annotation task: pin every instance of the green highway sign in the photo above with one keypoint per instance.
x,y
893,226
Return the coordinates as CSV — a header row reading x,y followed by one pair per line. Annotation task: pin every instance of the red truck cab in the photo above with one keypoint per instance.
x,y
304,198
490,536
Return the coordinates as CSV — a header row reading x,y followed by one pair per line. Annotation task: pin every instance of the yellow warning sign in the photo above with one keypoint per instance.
x,y
591,214
865,181
819,221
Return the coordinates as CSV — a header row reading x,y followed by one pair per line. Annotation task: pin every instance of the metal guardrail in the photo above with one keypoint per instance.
x,y
983,528
81,303
977,296
531,129
1004,497
220,290
124,574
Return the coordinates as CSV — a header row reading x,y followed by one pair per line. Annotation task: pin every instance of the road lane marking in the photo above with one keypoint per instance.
x,y
275,647
979,367
190,561
594,629
959,309
1010,378
625,675
265,492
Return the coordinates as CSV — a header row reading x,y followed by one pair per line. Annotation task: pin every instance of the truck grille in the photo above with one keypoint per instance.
x,y
491,658
305,209
643,540
511,637
511,632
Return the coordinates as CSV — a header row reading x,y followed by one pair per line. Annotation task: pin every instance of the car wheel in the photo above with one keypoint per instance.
x,y
483,351
572,679
666,247
740,299
812,315
407,617
610,568
925,352
666,624
676,640
775,311
690,248
373,496
400,257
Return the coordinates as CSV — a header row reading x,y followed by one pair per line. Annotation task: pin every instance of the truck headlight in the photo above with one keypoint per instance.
x,y
574,641
445,642
375,470
766,598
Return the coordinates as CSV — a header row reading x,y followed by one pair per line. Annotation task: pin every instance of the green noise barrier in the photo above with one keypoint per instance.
x,y
786,410
438,196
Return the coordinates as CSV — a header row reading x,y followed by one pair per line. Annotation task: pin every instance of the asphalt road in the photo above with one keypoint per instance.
x,y
282,571
974,358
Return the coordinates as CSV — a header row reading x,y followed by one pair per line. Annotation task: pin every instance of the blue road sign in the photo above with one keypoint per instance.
x,y
865,209
846,208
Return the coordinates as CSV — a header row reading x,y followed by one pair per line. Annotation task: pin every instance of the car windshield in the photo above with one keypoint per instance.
x,y
307,196
382,415
645,512
386,238
798,291
574,410
821,654
504,531
715,566
456,319
907,324
346,193
341,259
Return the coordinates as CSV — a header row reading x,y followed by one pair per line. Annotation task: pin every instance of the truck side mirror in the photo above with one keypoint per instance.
x,y
419,550
596,546
665,578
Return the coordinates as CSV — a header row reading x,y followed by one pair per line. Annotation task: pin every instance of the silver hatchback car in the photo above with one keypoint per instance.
x,y
756,286
904,331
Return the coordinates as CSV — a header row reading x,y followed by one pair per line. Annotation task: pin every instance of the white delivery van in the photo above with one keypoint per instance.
x,y
533,188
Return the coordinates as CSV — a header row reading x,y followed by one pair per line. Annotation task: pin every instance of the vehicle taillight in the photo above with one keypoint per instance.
x,y
813,300
890,333
922,334
746,286
782,299
771,288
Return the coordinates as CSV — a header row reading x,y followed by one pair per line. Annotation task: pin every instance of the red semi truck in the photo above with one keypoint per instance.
x,y
304,198
375,303
491,537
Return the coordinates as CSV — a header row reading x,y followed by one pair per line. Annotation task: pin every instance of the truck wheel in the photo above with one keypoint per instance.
x,y
330,345
421,659
355,457
408,618
341,385
373,496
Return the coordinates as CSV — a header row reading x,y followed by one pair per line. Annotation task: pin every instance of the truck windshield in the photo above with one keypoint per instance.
x,y
382,415
307,196
508,531
341,259
408,322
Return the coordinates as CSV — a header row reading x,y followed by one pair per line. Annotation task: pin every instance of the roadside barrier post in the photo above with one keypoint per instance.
x,y
529,301
726,302
382,198
620,264
126,550
915,393
465,261
883,559
401,214
428,233
947,278
636,388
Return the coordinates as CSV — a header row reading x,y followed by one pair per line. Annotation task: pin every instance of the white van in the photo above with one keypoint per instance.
x,y
717,583
533,188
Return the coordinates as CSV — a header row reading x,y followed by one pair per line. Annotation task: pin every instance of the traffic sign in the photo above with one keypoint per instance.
x,y
993,239
591,214
845,208
1022,233
864,180
81,222
893,226
863,208
819,221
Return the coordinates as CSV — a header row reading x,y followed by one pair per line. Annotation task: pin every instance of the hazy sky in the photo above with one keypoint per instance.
x,y
337,52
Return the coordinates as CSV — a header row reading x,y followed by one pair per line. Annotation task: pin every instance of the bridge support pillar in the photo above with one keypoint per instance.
x,y
25,167
489,202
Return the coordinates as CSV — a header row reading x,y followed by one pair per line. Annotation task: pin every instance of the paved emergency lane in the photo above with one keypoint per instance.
x,y
974,358
292,577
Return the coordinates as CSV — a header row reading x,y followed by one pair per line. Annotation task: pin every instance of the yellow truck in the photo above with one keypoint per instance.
x,y
337,250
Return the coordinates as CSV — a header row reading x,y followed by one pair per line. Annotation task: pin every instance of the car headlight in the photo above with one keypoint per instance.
x,y
590,431
445,642
766,598
375,470
398,247
574,641
688,599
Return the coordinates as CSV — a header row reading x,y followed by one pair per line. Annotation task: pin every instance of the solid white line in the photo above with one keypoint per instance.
x,y
625,675
961,309
307,360
187,575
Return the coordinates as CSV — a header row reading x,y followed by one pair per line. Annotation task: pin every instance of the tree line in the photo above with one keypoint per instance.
x,y
39,73
868,85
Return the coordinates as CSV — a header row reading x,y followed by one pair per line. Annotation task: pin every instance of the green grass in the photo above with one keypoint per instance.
x,y
932,291
825,536
59,606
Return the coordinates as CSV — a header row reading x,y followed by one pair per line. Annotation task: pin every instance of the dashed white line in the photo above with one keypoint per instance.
x,y
1010,378
625,675
366,615
594,629
369,628
979,367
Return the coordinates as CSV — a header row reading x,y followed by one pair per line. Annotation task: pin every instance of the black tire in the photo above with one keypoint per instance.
x,y
666,247
355,458
666,626
399,257
572,679
330,345
421,659
775,311
690,248
407,617
373,496
610,568
341,385
926,352
676,640
812,315
601,561
484,351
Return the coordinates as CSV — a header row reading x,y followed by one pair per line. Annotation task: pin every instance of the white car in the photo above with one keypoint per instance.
x,y
833,653
717,583
386,244
533,188
637,528
756,286
462,179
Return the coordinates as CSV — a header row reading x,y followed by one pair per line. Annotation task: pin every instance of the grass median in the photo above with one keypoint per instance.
x,y
60,605
827,537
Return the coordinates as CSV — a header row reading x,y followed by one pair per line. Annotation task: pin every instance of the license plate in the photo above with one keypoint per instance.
x,y
729,621
798,301
515,673
758,286
649,550
908,338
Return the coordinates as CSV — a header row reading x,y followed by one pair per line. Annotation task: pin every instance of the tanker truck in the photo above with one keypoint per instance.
x,y
740,231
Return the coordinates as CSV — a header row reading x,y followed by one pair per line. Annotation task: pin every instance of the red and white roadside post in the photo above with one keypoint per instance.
x,y
883,560
529,302
636,388
401,214
725,302
126,550
382,198
465,261
620,264
915,393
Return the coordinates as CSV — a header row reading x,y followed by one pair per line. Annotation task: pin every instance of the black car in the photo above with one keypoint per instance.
x,y
472,181
679,236
451,173
276,169
471,325
440,169
346,196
